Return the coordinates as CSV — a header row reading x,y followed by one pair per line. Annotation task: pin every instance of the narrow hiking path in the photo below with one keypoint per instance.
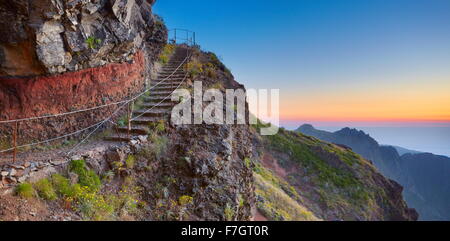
x,y
158,104
155,107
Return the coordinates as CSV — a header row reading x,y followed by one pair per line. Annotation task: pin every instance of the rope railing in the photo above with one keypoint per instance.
x,y
97,125
188,56
93,108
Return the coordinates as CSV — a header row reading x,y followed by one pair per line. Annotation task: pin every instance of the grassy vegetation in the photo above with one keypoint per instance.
x,y
167,52
25,190
62,186
325,175
247,162
4,143
276,199
123,121
185,200
194,68
85,196
229,212
276,181
87,178
159,145
157,127
210,70
45,189
130,161
340,177
217,85
217,63
93,42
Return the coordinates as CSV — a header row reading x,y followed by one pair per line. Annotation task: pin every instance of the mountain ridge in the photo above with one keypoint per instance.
x,y
410,170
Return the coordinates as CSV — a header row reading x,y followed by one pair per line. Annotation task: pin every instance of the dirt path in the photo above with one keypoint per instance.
x,y
61,153
259,217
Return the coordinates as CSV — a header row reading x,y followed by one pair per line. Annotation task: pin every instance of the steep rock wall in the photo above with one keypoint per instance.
x,y
64,55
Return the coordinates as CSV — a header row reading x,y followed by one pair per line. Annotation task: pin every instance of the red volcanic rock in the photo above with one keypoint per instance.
x,y
42,95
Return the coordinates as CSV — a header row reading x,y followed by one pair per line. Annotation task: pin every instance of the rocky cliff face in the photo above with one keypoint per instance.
x,y
63,55
55,36
186,172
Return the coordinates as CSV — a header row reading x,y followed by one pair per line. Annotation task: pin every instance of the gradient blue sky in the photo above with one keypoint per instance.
x,y
362,62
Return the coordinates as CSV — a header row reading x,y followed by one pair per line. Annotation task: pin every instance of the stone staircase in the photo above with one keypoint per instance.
x,y
157,105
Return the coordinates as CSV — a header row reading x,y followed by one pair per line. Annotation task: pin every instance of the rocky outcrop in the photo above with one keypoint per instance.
x,y
58,56
187,172
55,36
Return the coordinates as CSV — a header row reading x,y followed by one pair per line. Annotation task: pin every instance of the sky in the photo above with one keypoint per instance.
x,y
336,63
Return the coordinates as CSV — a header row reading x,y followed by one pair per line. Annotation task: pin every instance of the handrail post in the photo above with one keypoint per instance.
x,y
16,130
175,37
130,111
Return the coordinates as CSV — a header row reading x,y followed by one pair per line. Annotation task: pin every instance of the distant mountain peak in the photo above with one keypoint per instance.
x,y
306,126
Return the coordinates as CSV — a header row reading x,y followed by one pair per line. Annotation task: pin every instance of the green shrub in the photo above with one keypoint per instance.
x,y
159,145
86,177
248,162
130,161
163,59
217,85
92,205
185,200
210,71
123,121
158,127
228,212
45,189
25,190
93,42
62,186
166,53
194,68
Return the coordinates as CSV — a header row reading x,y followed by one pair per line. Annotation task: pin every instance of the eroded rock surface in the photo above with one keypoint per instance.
x,y
55,36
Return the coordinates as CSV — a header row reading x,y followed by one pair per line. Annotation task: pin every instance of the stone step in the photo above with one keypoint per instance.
x,y
157,108
151,113
157,99
166,80
173,65
171,70
171,76
161,93
171,73
135,130
166,87
144,120
161,105
176,70
119,138
163,82
158,105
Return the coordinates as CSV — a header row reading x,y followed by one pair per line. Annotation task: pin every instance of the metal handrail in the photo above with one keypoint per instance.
x,y
190,36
